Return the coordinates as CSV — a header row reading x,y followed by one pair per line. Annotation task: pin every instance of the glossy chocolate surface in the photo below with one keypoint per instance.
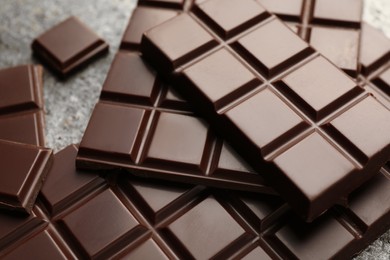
x,y
318,21
375,50
376,64
68,46
82,215
24,168
146,18
21,104
315,21
140,125
306,120
143,91
383,81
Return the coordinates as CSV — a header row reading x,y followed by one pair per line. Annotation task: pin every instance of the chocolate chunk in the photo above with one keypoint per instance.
x,y
21,104
68,46
297,125
24,168
138,219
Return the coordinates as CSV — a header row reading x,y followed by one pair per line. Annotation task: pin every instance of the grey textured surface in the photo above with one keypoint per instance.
x,y
70,103
377,14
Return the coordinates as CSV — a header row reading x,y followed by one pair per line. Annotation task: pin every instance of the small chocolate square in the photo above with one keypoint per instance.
x,y
83,223
109,123
173,144
305,87
229,18
256,117
221,90
179,50
258,48
343,50
68,46
358,122
334,12
20,88
130,80
24,168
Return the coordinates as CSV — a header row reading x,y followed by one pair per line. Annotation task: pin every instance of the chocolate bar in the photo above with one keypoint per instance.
x,y
68,46
24,167
81,215
144,92
21,105
229,170
245,65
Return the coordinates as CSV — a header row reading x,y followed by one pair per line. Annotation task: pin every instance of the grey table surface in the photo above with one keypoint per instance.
x,y
68,105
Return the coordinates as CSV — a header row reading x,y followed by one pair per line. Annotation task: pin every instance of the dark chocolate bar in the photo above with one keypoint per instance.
x,y
230,168
21,105
287,109
68,46
81,215
123,87
23,170
141,125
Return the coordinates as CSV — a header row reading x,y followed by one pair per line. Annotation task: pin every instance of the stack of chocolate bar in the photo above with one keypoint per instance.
x,y
225,129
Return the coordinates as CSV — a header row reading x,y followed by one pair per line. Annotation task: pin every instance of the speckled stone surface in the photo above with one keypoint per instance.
x,y
377,14
70,103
